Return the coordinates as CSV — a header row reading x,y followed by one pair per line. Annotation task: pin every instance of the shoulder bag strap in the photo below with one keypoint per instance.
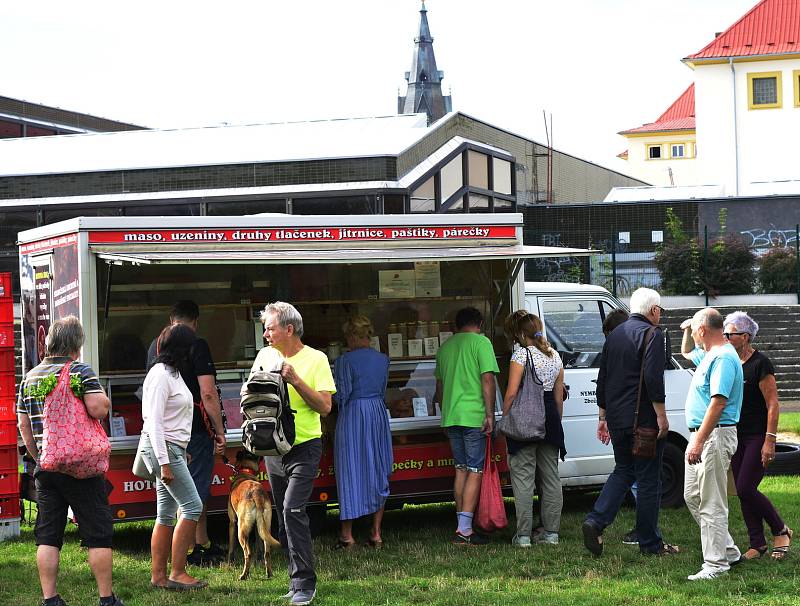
x,y
536,378
645,342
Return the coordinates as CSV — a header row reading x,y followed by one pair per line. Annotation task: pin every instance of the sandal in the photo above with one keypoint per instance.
x,y
374,543
755,554
781,551
339,545
666,549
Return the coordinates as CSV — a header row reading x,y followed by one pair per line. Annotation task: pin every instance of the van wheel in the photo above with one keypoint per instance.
x,y
787,460
672,476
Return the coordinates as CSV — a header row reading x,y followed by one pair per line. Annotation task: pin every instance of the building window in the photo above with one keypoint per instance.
x,y
478,169
452,177
796,80
423,199
501,172
653,152
764,90
10,129
677,150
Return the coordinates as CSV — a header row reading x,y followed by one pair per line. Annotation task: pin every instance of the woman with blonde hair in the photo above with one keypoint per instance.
x,y
525,458
363,441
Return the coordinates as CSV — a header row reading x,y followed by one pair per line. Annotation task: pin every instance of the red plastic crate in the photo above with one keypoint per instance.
x,y
9,482
8,433
9,505
5,284
7,311
7,385
8,409
7,335
7,359
9,459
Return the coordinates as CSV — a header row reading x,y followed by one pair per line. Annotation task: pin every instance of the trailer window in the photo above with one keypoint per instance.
x,y
575,329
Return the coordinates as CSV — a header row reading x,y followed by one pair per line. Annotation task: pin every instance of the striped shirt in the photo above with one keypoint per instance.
x,y
33,406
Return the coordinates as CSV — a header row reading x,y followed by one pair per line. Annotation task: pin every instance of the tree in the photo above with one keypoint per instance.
x,y
731,264
678,260
778,271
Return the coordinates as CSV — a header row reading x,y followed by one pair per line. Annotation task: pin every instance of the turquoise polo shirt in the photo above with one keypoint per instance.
x,y
718,373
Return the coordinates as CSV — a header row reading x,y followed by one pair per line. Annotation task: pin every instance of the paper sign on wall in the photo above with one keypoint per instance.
x,y
428,279
396,284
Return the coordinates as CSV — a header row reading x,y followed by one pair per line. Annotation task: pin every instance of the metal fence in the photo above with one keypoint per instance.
x,y
629,238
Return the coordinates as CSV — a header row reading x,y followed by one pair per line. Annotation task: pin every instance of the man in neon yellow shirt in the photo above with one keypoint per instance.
x,y
465,388
291,476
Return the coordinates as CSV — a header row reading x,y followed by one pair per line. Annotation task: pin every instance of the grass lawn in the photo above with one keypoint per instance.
x,y
789,422
420,566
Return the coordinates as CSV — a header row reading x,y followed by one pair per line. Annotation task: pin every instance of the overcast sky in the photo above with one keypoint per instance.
x,y
599,66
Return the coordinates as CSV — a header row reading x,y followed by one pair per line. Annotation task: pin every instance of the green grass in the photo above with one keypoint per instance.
x,y
419,566
789,422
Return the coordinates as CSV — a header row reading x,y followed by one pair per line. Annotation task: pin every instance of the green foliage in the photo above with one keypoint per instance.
x,y
46,384
731,267
778,271
678,260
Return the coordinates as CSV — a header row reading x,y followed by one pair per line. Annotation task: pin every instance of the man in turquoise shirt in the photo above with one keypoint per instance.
x,y
465,388
713,405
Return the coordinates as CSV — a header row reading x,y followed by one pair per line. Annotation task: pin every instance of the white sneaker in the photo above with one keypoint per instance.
x,y
707,574
546,538
518,541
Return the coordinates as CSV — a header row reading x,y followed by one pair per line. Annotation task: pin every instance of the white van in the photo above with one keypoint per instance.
x,y
573,317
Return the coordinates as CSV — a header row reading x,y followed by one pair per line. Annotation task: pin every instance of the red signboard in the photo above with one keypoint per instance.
x,y
304,234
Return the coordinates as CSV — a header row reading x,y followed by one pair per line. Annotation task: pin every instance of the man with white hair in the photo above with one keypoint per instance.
x,y
631,371
713,406
291,476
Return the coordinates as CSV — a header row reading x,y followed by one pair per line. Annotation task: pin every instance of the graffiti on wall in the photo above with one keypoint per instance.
x,y
759,237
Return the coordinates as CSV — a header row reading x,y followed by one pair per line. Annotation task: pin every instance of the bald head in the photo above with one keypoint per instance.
x,y
707,328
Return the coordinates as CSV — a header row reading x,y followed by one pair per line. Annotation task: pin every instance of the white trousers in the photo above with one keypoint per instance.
x,y
705,490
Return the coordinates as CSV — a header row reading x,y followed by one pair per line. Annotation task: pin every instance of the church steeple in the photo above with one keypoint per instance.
x,y
424,92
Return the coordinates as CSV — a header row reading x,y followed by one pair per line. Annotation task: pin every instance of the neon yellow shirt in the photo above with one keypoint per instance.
x,y
312,366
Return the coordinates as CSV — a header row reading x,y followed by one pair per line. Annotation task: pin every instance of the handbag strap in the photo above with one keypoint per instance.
x,y
645,343
536,378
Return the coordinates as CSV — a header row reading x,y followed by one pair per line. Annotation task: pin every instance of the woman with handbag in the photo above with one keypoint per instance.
x,y
167,412
535,361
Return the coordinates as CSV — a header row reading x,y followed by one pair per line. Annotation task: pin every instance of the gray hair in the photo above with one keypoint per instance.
x,y
286,314
65,337
708,317
643,300
742,322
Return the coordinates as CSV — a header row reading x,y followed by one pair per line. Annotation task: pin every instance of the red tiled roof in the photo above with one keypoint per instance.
x,y
771,27
679,116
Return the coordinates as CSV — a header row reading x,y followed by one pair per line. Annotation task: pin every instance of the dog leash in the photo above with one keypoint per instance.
x,y
228,463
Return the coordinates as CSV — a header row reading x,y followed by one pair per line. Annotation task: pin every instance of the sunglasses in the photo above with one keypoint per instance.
x,y
728,335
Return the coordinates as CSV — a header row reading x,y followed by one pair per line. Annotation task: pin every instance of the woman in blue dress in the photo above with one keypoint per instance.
x,y
363,442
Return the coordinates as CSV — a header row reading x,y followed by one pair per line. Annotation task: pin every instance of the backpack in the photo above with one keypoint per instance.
x,y
268,419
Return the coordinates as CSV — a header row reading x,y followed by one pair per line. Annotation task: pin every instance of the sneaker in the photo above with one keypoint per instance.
x,y
470,539
546,538
592,538
116,602
302,597
631,538
523,541
56,600
707,574
288,595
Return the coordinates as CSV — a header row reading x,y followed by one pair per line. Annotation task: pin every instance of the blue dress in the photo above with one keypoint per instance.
x,y
363,443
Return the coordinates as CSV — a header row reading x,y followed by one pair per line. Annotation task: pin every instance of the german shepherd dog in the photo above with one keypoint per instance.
x,y
250,505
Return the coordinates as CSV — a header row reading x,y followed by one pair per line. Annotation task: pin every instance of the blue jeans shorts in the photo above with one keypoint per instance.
x,y
469,447
201,463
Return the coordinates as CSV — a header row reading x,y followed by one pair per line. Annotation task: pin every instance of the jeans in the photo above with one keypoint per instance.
x,y
291,478
201,466
705,490
469,447
756,507
627,470
180,492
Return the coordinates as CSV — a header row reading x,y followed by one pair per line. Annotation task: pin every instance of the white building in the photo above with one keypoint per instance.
x,y
745,106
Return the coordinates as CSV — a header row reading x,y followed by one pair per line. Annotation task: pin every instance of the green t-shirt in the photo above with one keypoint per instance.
x,y
461,361
313,367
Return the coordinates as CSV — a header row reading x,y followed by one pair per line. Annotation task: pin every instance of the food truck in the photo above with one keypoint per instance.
x,y
409,274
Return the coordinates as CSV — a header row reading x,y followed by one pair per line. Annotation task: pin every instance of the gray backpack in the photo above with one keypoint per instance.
x,y
525,420
268,426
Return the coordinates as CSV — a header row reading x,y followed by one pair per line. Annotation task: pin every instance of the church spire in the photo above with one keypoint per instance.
x,y
424,92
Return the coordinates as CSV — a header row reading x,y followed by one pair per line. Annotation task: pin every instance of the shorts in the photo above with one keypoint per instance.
x,y
469,447
89,501
201,463
181,493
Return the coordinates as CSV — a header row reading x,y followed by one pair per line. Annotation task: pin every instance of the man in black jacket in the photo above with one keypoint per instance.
x,y
625,354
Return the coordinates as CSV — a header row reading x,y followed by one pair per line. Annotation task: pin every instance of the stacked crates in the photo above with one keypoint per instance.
x,y
9,458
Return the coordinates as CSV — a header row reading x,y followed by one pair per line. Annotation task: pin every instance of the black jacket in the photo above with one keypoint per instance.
x,y
618,378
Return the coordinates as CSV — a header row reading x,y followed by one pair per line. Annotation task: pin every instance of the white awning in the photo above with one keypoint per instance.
x,y
380,255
